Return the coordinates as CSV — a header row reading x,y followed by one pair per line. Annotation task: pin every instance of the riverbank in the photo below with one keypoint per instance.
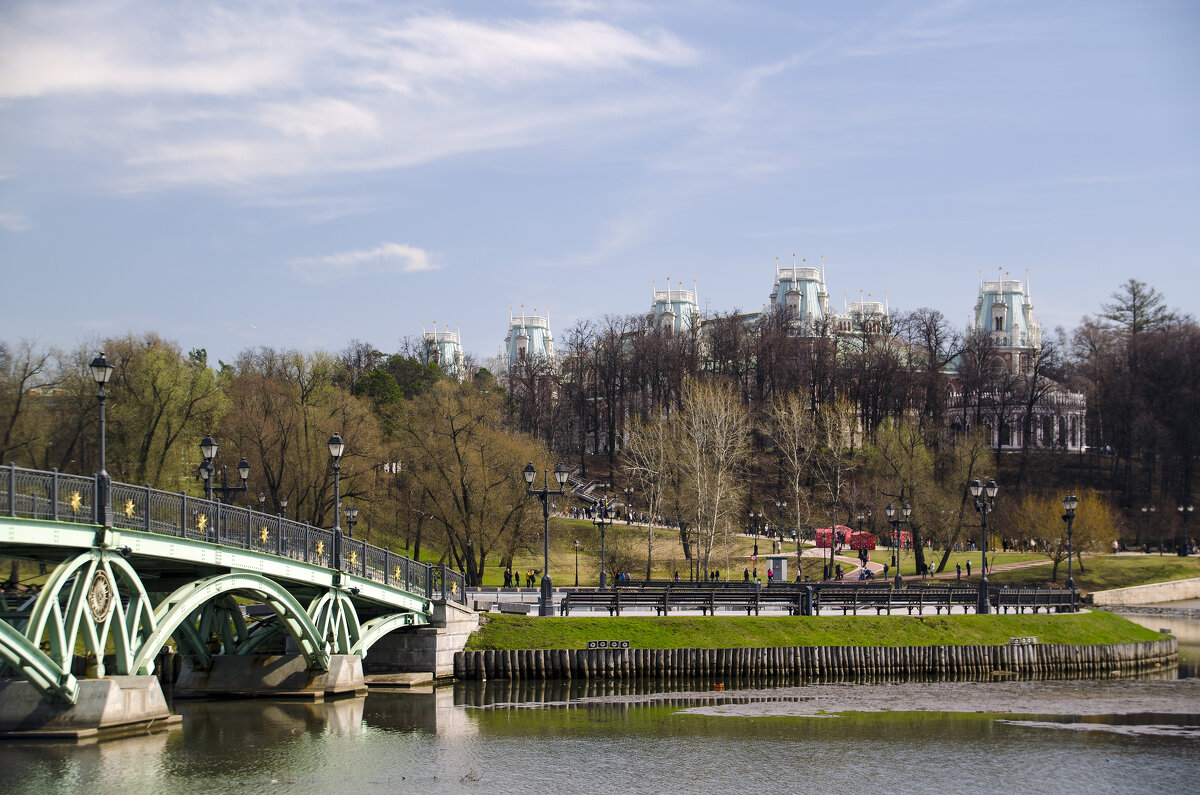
x,y
502,632
813,648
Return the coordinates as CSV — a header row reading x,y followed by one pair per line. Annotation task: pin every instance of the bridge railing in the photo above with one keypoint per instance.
x,y
34,494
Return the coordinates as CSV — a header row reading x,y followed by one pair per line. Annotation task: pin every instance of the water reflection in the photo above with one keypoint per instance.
x,y
622,736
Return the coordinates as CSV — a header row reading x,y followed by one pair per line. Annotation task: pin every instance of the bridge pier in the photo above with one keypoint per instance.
x,y
110,705
428,649
273,675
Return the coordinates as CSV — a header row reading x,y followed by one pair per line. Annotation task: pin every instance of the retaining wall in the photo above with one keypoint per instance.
x,y
816,661
1149,594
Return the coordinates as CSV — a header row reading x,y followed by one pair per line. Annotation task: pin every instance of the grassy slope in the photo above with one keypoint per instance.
x,y
1102,572
519,632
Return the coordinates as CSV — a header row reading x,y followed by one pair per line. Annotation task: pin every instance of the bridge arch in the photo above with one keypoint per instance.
x,y
93,596
371,632
180,613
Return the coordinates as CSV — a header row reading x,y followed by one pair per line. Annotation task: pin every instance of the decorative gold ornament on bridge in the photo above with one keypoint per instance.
x,y
128,509
100,596
396,573
454,589
76,502
320,548
263,534
201,522
353,558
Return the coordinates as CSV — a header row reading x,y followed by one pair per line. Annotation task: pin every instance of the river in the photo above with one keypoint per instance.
x,y
1110,736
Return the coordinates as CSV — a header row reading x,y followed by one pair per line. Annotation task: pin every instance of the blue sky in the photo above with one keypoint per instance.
x,y
299,174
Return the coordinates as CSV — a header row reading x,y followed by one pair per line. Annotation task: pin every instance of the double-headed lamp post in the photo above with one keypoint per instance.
x,y
337,448
890,510
1069,504
351,519
577,563
1184,512
603,521
546,606
102,371
985,499
208,469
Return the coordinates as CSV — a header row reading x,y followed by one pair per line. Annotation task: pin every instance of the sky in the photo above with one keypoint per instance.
x,y
298,175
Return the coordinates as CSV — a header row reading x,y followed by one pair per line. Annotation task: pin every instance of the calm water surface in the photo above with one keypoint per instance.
x,y
469,738
434,742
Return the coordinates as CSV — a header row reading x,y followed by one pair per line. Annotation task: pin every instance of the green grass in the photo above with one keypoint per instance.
x,y
626,548
908,561
684,632
1103,572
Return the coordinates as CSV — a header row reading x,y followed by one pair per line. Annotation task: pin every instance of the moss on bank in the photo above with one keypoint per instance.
x,y
685,632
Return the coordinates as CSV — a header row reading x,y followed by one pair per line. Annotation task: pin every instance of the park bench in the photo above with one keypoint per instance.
x,y
612,600
1022,599
850,598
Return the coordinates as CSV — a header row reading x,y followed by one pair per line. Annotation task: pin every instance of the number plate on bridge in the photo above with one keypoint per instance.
x,y
608,644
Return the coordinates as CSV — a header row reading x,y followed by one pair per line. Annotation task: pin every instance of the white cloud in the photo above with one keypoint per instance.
x,y
14,222
384,258
166,94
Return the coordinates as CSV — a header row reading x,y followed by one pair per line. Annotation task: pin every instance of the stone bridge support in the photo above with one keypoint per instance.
x,y
425,650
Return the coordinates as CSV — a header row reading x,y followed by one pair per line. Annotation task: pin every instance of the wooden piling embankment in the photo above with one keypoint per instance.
x,y
820,662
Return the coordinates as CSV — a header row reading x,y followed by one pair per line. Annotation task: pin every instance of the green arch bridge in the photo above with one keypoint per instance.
x,y
172,567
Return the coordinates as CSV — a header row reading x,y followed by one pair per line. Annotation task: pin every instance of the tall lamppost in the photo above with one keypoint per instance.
x,y
755,527
1069,503
890,510
985,500
781,512
577,563
1182,547
336,448
628,490
603,521
262,501
546,606
863,515
1151,510
352,519
102,371
799,568
283,507
208,469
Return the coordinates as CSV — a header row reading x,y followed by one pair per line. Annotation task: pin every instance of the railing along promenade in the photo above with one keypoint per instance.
x,y
59,497
811,598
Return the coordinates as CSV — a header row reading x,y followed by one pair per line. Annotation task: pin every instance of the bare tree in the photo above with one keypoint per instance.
x,y
793,429
648,457
713,450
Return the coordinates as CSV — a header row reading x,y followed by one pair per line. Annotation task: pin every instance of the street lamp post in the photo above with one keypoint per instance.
x,y
283,507
208,469
262,501
890,510
577,563
985,499
546,606
799,568
628,490
755,526
1181,548
1069,504
102,371
352,519
603,521
336,448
